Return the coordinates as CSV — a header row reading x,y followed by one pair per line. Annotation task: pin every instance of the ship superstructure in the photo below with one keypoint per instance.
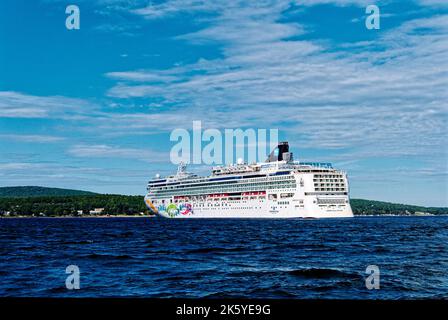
x,y
277,188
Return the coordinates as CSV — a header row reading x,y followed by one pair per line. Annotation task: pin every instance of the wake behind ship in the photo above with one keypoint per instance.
x,y
277,188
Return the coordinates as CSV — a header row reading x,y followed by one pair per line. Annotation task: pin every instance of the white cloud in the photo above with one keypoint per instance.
x,y
173,7
20,105
99,179
106,151
31,138
169,8
385,97
141,76
434,3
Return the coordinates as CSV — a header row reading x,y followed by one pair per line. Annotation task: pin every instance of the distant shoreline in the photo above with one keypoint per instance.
x,y
43,202
154,216
78,217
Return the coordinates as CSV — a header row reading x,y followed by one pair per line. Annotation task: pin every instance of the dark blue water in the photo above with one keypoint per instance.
x,y
143,257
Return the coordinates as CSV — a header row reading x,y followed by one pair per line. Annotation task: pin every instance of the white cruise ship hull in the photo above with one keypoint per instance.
x,y
261,213
302,201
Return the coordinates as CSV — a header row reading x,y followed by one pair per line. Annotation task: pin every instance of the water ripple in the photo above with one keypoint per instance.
x,y
226,258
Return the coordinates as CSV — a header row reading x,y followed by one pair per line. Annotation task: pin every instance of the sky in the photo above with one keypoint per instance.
x,y
93,108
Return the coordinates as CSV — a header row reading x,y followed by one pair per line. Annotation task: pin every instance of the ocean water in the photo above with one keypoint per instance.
x,y
152,257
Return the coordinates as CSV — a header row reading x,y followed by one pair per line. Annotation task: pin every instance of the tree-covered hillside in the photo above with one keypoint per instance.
x,y
72,205
34,191
371,207
40,201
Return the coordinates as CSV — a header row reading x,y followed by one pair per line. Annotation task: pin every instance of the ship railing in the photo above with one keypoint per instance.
x,y
326,165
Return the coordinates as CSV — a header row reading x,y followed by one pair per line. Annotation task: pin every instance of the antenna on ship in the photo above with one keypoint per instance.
x,y
181,169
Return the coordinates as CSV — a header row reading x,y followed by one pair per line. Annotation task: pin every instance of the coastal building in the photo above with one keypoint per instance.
x,y
96,211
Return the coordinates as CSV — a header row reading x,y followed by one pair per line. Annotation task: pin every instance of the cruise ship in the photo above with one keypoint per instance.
x,y
277,188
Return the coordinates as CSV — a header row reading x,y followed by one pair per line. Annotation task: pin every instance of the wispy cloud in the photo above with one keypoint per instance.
x,y
169,8
99,179
31,138
434,3
141,76
20,105
389,95
107,151
382,96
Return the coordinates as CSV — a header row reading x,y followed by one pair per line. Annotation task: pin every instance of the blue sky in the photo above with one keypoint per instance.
x,y
93,108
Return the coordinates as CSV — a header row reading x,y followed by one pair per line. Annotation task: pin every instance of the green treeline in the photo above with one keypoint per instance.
x,y
72,205
370,207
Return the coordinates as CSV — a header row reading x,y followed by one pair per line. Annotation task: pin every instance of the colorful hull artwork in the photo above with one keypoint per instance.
x,y
172,210
151,206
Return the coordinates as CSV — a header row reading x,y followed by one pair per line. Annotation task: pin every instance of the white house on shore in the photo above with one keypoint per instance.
x,y
96,211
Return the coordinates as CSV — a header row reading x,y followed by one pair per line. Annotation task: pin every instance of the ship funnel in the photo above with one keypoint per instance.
x,y
281,152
